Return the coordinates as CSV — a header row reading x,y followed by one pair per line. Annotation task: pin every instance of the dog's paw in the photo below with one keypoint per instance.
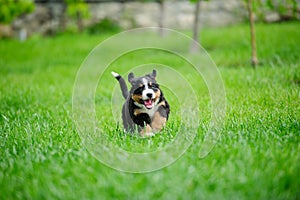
x,y
147,131
150,134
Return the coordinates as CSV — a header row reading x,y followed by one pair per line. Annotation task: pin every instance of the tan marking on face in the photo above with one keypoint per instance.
x,y
157,95
158,122
141,85
137,98
163,103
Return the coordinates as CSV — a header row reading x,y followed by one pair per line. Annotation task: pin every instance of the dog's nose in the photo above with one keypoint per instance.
x,y
149,95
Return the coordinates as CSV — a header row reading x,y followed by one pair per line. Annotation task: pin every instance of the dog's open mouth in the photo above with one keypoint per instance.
x,y
149,103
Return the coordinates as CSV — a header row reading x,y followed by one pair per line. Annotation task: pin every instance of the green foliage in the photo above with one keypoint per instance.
x,y
104,26
195,1
10,9
77,7
287,9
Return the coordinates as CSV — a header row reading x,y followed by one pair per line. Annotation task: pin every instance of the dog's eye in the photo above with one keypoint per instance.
x,y
139,90
154,85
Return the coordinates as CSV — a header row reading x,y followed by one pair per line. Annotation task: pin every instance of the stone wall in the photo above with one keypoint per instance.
x,y
48,18
180,14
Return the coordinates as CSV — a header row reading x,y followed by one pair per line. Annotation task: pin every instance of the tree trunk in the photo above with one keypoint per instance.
x,y
254,60
161,22
122,10
63,20
194,46
79,21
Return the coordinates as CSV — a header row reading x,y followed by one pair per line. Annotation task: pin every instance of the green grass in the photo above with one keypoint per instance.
x,y
257,156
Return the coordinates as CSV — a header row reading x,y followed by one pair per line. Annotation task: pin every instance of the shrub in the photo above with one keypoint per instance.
x,y
10,9
104,26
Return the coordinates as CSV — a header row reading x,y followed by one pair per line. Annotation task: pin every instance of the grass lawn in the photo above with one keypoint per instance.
x,y
256,157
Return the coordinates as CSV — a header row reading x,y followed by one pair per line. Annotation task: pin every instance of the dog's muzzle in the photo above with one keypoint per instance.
x,y
148,99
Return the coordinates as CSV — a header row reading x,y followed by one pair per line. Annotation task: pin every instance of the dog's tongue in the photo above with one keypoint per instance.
x,y
148,103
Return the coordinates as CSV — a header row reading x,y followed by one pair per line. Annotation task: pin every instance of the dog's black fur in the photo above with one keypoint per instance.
x,y
145,109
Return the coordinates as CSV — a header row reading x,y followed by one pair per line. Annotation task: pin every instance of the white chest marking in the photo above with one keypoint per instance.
x,y
151,111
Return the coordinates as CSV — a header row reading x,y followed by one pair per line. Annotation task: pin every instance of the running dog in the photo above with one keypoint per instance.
x,y
145,109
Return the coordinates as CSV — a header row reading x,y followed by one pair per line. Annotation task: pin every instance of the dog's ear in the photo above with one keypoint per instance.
x,y
153,75
130,77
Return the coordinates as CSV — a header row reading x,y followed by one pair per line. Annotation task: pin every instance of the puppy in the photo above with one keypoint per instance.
x,y
145,108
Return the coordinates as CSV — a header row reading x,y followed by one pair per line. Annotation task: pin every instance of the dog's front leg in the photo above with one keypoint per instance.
x,y
158,122
147,131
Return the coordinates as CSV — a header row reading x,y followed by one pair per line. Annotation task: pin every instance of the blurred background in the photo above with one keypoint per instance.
x,y
22,19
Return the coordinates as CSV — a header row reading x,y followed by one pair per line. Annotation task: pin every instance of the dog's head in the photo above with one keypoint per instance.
x,y
145,91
